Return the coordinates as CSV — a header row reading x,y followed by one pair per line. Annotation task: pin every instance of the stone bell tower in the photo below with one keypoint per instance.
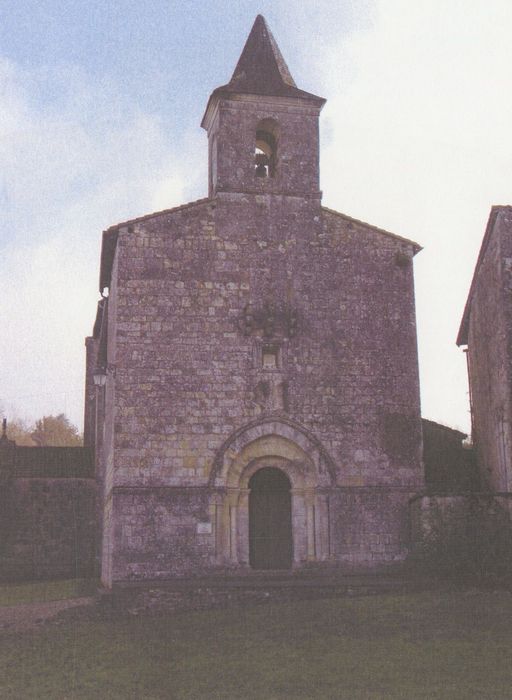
x,y
262,129
260,393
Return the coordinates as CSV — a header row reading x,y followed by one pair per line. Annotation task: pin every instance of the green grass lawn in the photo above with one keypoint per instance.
x,y
44,591
445,645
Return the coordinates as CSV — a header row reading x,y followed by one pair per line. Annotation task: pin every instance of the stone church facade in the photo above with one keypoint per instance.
x,y
260,406
486,331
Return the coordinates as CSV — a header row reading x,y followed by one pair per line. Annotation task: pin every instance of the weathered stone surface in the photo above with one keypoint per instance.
x,y
51,530
463,533
48,525
256,328
487,331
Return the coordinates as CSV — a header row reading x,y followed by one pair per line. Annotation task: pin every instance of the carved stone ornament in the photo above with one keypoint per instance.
x,y
269,320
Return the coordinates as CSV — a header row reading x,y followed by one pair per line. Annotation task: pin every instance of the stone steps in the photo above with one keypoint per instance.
x,y
221,591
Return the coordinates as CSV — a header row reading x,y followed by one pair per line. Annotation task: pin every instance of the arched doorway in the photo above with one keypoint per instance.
x,y
270,520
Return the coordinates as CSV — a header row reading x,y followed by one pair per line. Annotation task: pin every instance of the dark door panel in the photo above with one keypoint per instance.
x,y
270,521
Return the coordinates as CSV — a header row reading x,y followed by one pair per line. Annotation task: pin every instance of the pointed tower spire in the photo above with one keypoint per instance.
x,y
262,129
262,70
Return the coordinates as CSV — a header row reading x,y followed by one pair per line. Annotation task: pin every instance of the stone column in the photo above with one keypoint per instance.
x,y
233,513
243,527
299,526
322,527
311,528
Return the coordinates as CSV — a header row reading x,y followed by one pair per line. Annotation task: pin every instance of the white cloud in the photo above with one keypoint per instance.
x,y
66,172
416,139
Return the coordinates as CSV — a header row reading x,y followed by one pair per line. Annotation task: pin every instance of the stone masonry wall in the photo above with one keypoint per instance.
x,y
105,459
160,535
257,315
49,532
462,533
48,501
489,349
187,376
189,364
234,129
370,527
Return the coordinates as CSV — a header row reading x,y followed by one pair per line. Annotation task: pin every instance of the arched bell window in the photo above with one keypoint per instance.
x,y
265,151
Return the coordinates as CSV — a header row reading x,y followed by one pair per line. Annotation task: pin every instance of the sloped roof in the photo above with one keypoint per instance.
x,y
262,70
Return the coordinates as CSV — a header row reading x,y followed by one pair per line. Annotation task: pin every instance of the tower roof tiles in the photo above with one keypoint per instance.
x,y
262,70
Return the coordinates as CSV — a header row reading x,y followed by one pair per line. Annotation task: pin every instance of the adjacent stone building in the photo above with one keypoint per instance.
x,y
449,462
260,406
486,330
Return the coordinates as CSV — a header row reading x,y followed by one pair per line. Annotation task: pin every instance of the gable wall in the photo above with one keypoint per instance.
x,y
187,376
489,344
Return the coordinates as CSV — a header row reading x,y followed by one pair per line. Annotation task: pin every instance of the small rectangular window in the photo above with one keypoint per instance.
x,y
270,359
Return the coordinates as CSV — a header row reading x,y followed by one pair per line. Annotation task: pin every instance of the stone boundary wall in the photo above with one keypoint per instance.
x,y
52,462
462,533
47,512
445,515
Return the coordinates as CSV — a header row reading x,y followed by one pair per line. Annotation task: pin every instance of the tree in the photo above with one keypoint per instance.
x,y
20,431
56,431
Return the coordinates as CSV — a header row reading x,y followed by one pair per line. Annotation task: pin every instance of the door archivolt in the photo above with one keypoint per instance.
x,y
279,438
307,514
279,445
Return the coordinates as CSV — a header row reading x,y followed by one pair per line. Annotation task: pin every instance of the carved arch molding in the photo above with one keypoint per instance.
x,y
287,446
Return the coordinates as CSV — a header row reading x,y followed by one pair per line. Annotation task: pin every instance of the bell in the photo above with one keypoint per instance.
x,y
261,165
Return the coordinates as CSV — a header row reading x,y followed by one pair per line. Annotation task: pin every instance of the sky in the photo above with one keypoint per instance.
x,y
100,106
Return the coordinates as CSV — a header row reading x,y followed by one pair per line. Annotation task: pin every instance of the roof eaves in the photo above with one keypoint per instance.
x,y
446,428
108,250
282,91
291,93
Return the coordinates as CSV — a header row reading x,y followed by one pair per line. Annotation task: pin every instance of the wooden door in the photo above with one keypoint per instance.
x,y
270,520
